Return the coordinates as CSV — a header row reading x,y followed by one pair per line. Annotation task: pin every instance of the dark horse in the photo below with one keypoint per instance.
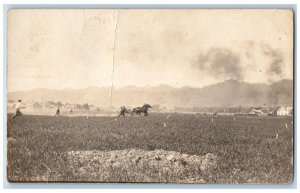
x,y
143,109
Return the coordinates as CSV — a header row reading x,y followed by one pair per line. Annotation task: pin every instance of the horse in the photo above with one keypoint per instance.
x,y
143,109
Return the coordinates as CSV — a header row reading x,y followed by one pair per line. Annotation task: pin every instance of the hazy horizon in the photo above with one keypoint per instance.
x,y
70,48
158,85
147,86
234,93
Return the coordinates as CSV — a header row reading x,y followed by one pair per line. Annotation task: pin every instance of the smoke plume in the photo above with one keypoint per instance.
x,y
276,63
220,62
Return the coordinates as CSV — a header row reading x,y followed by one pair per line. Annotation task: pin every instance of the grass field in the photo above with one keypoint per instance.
x,y
235,149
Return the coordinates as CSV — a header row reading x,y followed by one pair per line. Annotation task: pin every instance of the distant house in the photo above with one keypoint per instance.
x,y
285,111
257,112
93,108
261,111
68,106
264,110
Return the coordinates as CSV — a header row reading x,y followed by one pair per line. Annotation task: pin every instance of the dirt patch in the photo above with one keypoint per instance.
x,y
136,165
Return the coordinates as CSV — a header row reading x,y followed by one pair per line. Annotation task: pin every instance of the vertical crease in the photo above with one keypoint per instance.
x,y
113,63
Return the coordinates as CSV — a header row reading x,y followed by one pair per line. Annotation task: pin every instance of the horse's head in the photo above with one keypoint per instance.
x,y
146,106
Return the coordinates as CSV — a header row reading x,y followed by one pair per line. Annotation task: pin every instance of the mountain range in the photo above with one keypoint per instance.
x,y
229,93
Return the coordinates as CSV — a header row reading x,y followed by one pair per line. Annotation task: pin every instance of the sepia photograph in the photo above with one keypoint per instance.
x,y
179,96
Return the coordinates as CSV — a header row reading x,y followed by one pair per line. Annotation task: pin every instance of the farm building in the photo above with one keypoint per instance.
x,y
257,112
263,110
95,108
284,111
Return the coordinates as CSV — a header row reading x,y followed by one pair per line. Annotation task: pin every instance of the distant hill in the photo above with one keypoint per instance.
x,y
228,93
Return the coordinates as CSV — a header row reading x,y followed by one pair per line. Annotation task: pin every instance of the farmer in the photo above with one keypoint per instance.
x,y
57,112
122,112
18,106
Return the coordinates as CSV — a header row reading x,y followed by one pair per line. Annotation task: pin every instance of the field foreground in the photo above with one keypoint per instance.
x,y
178,148
140,165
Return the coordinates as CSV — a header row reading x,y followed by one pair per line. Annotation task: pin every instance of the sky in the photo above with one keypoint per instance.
x,y
79,48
